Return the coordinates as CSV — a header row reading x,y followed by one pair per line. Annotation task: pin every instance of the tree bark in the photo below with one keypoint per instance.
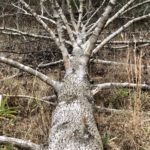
x,y
73,123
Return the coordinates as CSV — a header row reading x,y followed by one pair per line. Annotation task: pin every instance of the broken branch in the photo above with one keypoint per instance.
x,y
19,143
99,87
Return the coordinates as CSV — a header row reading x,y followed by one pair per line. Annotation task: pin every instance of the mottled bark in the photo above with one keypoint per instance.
x,y
73,123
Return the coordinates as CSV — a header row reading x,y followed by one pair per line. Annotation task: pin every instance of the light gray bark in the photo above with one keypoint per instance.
x,y
73,123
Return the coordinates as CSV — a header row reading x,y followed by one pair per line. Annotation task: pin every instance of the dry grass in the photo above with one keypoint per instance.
x,y
119,131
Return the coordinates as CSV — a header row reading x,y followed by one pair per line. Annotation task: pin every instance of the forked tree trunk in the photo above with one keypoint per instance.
x,y
73,123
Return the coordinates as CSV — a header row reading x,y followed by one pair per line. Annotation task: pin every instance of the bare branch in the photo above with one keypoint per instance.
x,y
76,5
71,15
99,61
135,6
95,12
65,21
120,112
89,45
119,12
15,32
63,48
102,86
107,39
20,8
80,14
100,109
45,99
27,69
128,42
45,26
29,14
41,65
42,7
19,143
50,64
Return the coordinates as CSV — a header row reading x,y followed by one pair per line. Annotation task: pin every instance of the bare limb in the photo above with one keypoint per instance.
x,y
29,14
50,64
107,39
113,17
42,7
87,22
65,21
89,45
63,48
39,20
111,110
15,32
20,8
120,112
45,99
31,71
119,12
76,5
128,42
135,6
99,61
99,87
41,65
71,15
19,143
80,14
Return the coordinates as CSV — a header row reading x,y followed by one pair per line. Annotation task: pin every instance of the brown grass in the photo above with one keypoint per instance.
x,y
119,131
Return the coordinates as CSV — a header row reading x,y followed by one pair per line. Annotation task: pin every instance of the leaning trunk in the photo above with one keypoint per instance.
x,y
73,123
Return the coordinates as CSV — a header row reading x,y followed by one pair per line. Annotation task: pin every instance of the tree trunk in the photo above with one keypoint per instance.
x,y
73,123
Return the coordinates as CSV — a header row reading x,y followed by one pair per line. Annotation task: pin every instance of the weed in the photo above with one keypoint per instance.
x,y
6,111
7,147
106,138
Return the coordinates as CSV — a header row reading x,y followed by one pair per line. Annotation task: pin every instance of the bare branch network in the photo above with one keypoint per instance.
x,y
77,28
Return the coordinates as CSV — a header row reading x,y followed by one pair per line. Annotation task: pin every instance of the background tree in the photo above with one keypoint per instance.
x,y
74,27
